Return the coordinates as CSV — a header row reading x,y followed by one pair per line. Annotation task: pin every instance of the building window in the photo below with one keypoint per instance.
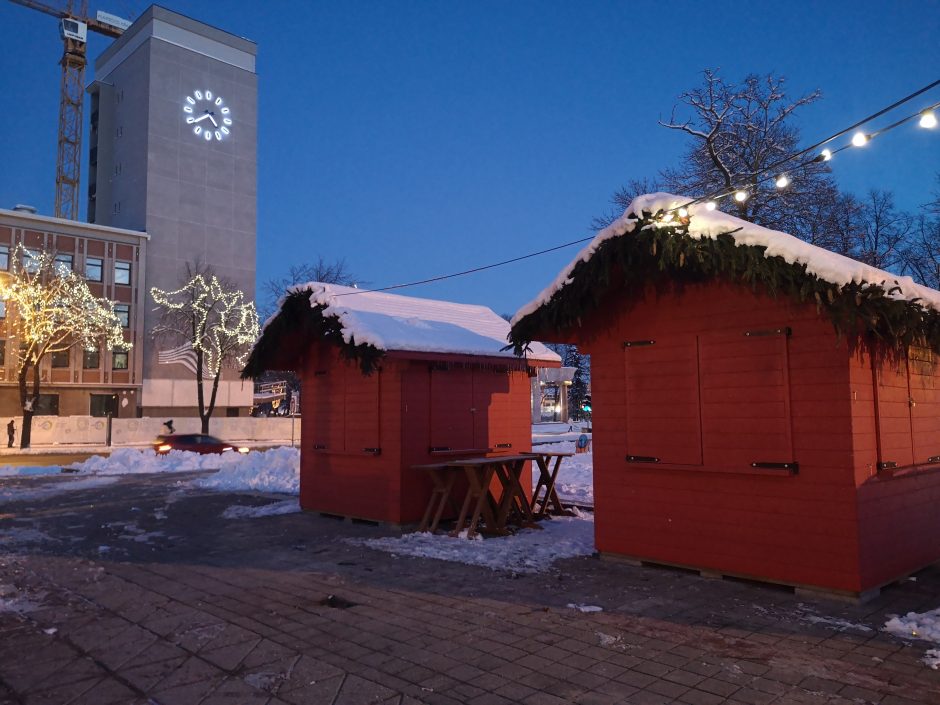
x,y
31,260
47,405
3,353
119,361
63,263
3,309
123,312
4,257
103,404
94,267
91,359
122,272
60,358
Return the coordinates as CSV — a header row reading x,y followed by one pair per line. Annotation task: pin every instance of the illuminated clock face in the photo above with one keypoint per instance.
x,y
207,115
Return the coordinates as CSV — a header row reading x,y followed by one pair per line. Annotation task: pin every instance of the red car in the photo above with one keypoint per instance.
x,y
194,443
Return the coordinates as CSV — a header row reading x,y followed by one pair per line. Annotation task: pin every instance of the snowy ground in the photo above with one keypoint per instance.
x,y
924,626
528,551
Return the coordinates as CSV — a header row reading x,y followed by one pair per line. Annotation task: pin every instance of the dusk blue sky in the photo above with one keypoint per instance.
x,y
419,138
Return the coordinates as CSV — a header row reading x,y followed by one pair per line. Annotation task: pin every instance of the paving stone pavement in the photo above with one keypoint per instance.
x,y
139,592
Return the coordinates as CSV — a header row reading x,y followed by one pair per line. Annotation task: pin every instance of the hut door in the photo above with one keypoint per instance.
x,y
493,412
451,404
362,410
745,391
328,408
893,398
663,422
925,404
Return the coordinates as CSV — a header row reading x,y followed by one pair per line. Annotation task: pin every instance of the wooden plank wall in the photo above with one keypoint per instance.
x,y
899,525
344,414
718,514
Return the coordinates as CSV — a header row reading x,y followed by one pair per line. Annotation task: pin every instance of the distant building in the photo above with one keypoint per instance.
x,y
173,154
112,260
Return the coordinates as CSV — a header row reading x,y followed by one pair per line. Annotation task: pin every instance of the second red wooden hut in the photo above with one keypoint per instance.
x,y
389,382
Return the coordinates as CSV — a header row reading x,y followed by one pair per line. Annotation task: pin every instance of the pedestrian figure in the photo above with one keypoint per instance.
x,y
11,431
169,426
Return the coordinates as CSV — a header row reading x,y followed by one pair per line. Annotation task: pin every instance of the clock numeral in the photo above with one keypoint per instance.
x,y
225,111
187,109
197,129
190,120
224,130
208,136
218,101
218,135
208,95
227,121
198,95
190,100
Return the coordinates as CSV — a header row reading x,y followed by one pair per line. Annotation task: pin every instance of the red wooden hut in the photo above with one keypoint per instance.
x,y
388,382
762,407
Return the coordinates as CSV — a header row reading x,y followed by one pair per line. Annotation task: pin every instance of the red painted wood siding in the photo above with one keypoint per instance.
x,y
724,515
345,412
899,526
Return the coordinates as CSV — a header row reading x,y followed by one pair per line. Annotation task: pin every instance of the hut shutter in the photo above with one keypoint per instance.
x,y
662,400
908,410
745,390
451,408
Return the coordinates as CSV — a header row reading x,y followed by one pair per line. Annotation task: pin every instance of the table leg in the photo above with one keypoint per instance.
x,y
445,498
482,491
552,497
436,494
545,482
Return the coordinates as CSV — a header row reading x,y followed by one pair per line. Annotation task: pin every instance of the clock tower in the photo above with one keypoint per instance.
x,y
173,152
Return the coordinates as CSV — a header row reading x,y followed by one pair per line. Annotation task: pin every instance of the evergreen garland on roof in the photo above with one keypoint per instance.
x,y
299,324
667,254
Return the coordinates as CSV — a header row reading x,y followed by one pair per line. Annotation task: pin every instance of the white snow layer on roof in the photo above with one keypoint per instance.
x,y
828,266
394,322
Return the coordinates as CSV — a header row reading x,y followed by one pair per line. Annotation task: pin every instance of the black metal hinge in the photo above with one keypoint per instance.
x,y
934,459
373,451
792,467
504,445
439,449
887,465
638,343
786,330
642,459
319,446
320,373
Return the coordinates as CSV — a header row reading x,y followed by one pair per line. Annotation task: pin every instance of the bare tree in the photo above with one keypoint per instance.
x,y
336,272
922,254
50,309
882,231
213,318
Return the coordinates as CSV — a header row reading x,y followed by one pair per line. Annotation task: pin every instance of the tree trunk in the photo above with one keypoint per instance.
x,y
215,390
27,425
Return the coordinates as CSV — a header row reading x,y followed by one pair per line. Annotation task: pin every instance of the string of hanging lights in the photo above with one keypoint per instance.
x,y
782,178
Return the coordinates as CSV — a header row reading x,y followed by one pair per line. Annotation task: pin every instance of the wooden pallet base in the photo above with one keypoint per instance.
x,y
359,520
807,591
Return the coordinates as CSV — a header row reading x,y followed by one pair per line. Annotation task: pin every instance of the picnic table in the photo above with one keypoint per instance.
x,y
480,472
549,502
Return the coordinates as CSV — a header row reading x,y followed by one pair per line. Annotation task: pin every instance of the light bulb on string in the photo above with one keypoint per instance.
x,y
928,119
740,196
782,181
683,212
859,139
710,206
826,155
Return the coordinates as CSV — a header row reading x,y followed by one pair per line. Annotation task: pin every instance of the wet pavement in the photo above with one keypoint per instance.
x,y
135,589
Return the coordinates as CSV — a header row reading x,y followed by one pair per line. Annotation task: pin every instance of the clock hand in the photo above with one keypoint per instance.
x,y
209,115
202,117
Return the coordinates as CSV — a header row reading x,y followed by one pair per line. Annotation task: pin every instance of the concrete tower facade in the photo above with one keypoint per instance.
x,y
174,153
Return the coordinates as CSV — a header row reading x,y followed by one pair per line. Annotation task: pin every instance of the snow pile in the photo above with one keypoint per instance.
x,y
528,551
828,266
275,470
394,322
240,511
12,600
923,625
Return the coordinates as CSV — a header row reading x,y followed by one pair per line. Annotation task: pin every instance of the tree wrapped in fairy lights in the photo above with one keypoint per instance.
x,y
212,317
50,309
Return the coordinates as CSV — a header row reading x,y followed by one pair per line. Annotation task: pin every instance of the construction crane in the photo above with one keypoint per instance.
x,y
74,24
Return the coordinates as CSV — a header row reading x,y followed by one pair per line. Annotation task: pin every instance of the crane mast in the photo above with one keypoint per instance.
x,y
71,97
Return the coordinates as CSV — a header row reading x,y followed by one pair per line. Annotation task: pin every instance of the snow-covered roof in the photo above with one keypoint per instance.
x,y
405,323
827,266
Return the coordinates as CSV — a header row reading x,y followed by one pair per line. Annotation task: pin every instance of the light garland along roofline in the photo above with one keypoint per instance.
x,y
640,247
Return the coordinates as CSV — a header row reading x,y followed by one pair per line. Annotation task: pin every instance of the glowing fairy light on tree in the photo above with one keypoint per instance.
x,y
50,309
216,321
